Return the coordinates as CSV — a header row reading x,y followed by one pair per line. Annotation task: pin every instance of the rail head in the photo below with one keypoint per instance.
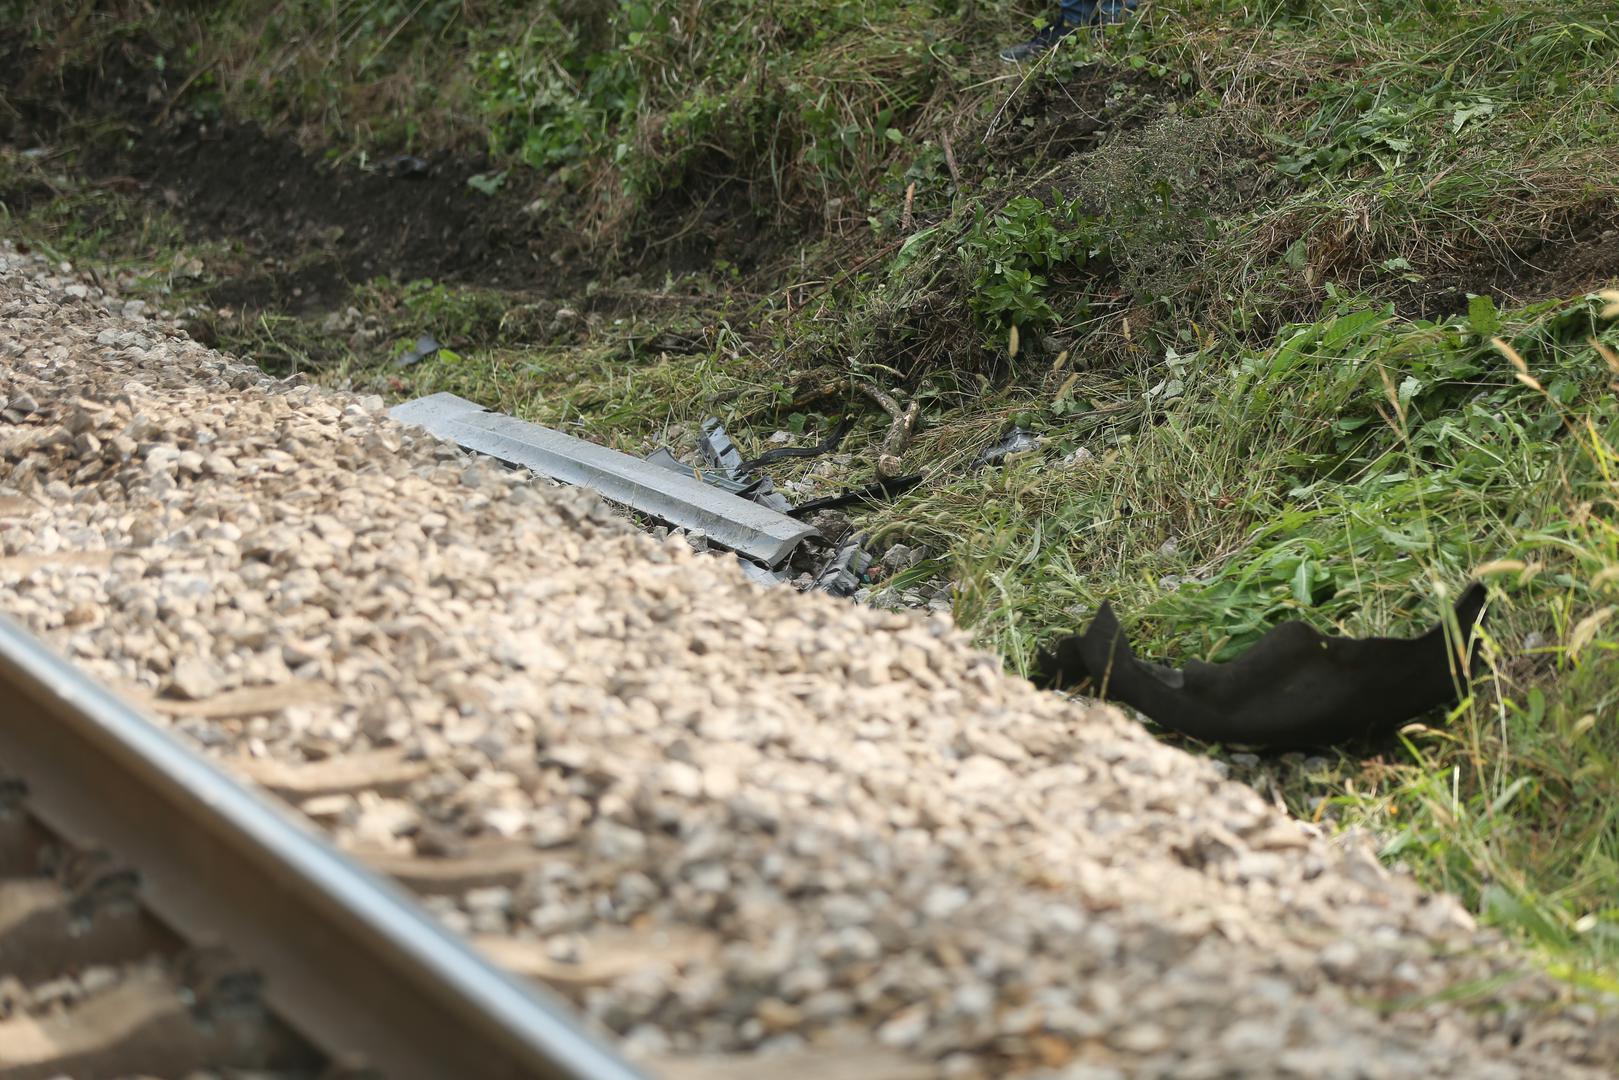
x,y
348,957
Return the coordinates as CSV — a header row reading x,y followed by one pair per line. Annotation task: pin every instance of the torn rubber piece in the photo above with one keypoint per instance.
x,y
1294,687
680,499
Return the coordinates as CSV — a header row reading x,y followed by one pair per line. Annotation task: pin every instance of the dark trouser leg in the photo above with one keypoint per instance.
x,y
1072,15
1092,12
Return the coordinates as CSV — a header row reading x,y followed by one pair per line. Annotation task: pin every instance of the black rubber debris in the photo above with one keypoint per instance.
x,y
1294,687
825,446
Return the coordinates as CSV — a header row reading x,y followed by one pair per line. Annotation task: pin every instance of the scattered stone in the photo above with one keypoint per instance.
x,y
194,679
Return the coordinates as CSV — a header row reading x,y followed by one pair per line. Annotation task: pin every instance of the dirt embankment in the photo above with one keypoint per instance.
x,y
298,227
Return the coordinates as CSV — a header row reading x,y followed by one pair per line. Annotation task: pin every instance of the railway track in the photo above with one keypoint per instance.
x,y
157,918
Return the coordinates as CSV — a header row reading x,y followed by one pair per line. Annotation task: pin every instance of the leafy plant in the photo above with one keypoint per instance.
x,y
550,99
1380,130
1012,253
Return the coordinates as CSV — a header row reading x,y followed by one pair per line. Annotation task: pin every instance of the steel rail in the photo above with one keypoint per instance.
x,y
348,958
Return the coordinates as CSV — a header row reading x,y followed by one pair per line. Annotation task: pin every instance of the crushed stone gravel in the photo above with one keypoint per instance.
x,y
743,828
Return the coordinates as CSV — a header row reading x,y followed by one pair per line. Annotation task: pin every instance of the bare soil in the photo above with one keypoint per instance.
x,y
1580,255
304,229
308,230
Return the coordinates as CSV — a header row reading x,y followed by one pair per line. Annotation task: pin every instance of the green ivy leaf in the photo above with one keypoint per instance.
x,y
1482,316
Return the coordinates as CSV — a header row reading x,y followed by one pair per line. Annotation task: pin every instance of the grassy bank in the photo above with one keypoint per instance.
x,y
1301,295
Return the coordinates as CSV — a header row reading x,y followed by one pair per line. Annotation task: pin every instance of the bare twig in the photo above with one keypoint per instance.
x,y
950,161
901,426
905,215
174,98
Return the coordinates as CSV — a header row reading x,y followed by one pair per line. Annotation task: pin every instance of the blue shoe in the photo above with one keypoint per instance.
x,y
1045,39
1075,14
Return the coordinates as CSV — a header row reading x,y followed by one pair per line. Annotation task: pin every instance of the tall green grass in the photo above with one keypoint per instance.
x,y
1355,474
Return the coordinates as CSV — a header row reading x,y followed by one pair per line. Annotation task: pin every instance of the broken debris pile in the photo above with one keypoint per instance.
x,y
840,565
722,500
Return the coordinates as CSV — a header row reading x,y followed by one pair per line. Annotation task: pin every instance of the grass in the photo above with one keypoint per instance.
x,y
1304,278
1344,495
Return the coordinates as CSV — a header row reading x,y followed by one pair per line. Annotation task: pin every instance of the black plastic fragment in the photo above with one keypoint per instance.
x,y
1293,687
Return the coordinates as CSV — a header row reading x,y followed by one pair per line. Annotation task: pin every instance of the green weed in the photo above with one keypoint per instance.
x,y
1010,254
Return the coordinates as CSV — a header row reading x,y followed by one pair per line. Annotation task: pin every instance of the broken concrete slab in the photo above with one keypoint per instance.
x,y
762,534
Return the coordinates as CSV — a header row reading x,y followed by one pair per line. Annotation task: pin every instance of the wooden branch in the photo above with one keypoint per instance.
x,y
902,425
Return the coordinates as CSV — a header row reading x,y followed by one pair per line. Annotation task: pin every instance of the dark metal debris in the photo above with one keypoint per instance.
x,y
1293,687
713,477
721,453
845,572
717,447
425,346
1017,441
